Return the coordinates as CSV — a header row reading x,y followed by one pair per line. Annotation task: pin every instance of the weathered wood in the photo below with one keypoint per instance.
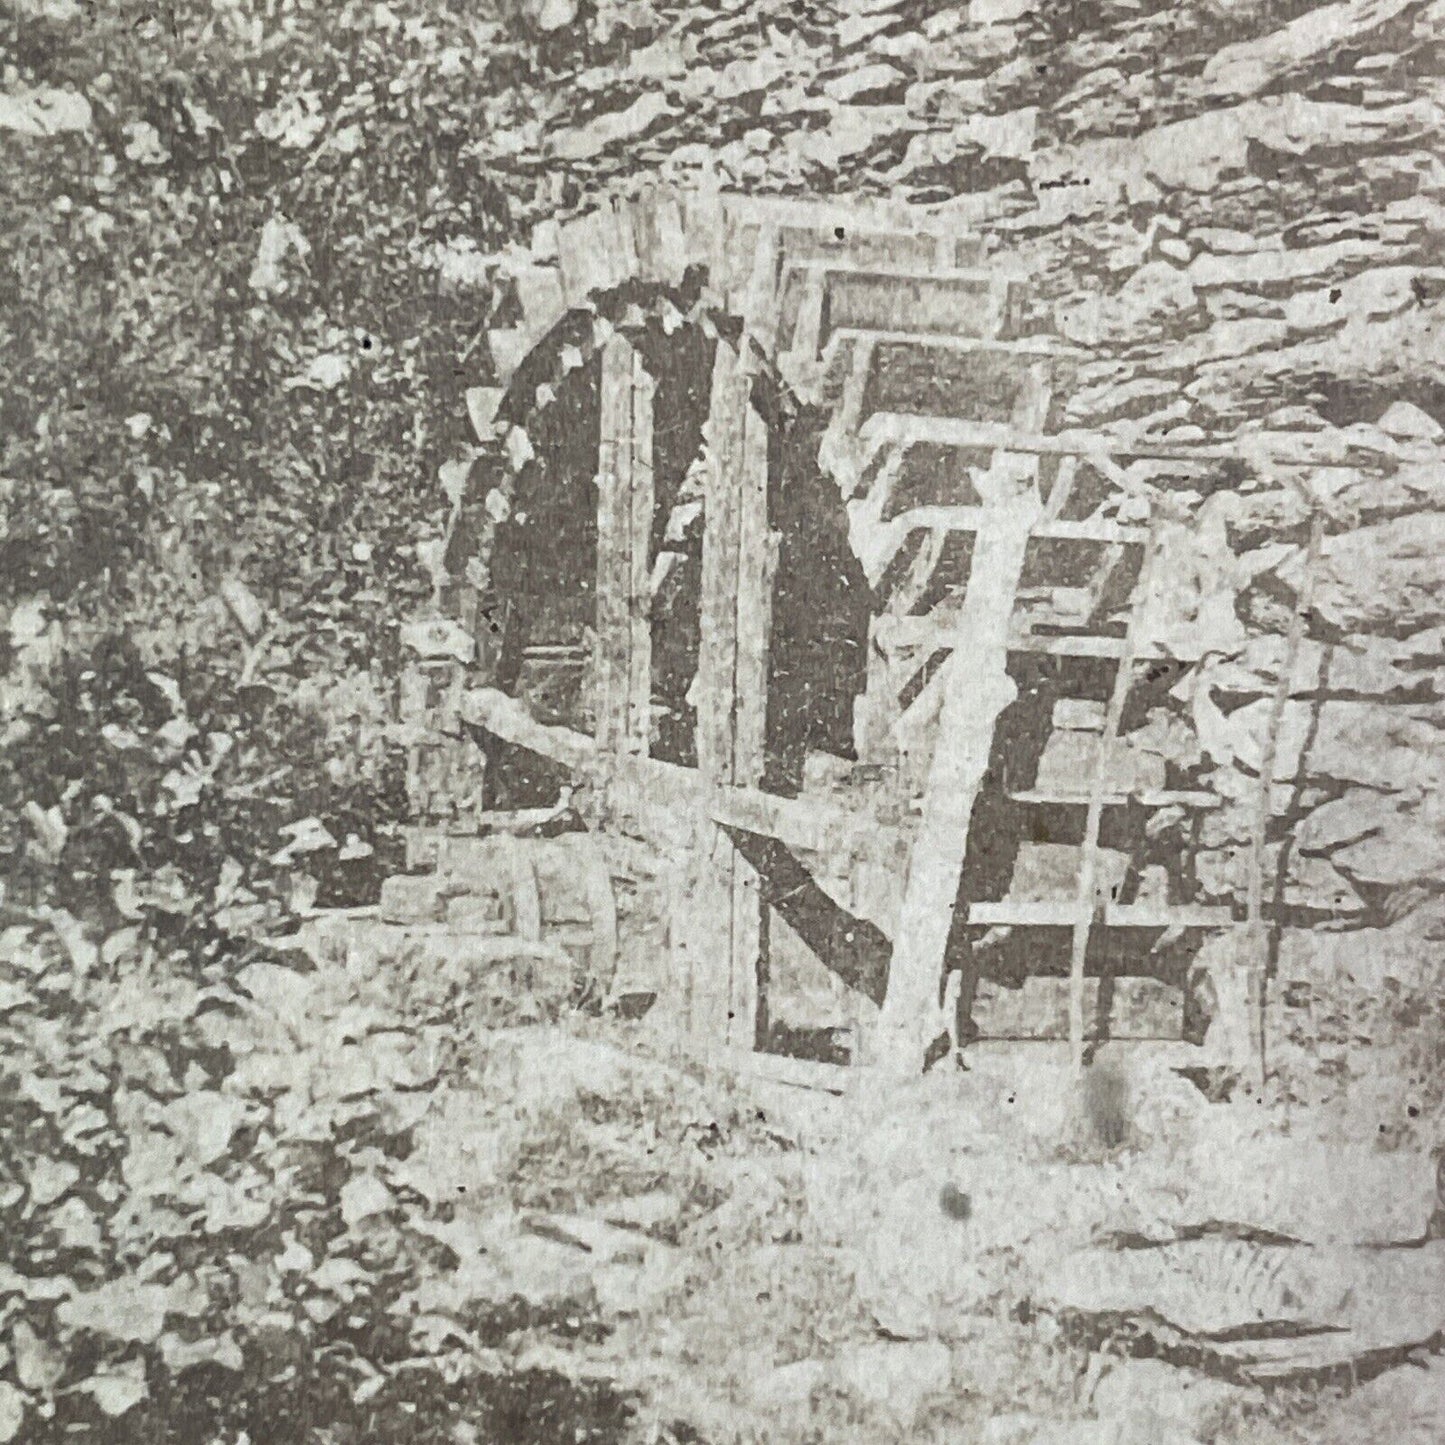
x,y
809,825
641,504
1256,940
526,900
975,695
724,938
717,652
756,564
757,552
1090,905
895,428
614,486
1062,913
595,877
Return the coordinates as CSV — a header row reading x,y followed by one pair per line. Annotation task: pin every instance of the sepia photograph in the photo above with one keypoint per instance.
x,y
722,722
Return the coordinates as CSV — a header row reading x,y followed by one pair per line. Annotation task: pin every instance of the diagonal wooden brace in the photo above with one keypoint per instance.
x,y
977,691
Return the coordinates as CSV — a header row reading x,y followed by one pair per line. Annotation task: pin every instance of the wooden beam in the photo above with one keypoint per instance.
x,y
913,429
808,825
641,505
625,501
975,695
614,487
720,923
1090,904
1256,940
757,550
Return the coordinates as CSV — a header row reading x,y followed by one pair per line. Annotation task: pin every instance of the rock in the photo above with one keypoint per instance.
x,y
44,111
1386,576
280,239
1407,1404
1410,849
899,1377
868,83
1196,154
1154,1399
1407,421
612,128
1360,813
1251,65
1155,293
634,1287
997,12
1271,267
1224,1290
12,1412
411,898
460,1149
1373,744
553,14
438,637
645,1211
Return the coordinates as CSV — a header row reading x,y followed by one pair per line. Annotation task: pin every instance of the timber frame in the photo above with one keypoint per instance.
x,y
942,443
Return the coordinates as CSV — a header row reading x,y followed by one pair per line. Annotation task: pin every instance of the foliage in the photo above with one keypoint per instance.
x,y
266,1201
229,360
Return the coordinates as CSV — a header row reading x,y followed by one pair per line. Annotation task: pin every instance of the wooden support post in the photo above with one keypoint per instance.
x,y
1256,939
723,931
977,691
1090,904
642,504
624,534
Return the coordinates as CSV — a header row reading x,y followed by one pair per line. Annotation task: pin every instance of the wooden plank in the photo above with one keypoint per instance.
x,y
756,563
967,303
638,562
912,429
1256,940
972,701
1064,913
525,900
717,650
808,825
722,997
614,472
886,538
1089,904
596,878
756,566
838,448
1153,798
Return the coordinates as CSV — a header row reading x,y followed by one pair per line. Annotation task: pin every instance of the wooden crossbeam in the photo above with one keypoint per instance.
x,y
807,825
878,547
912,429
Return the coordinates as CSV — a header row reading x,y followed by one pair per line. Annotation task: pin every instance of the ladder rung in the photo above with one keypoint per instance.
x,y
1149,798
1064,913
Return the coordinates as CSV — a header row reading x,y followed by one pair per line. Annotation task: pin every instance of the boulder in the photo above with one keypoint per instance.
x,y
1388,576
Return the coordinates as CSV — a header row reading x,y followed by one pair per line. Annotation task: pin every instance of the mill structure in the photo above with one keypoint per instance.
x,y
783,586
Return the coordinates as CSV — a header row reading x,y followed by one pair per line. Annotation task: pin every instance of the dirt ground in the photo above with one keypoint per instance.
x,y
321,1202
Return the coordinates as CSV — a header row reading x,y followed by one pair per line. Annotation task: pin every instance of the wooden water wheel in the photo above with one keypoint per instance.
x,y
778,546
